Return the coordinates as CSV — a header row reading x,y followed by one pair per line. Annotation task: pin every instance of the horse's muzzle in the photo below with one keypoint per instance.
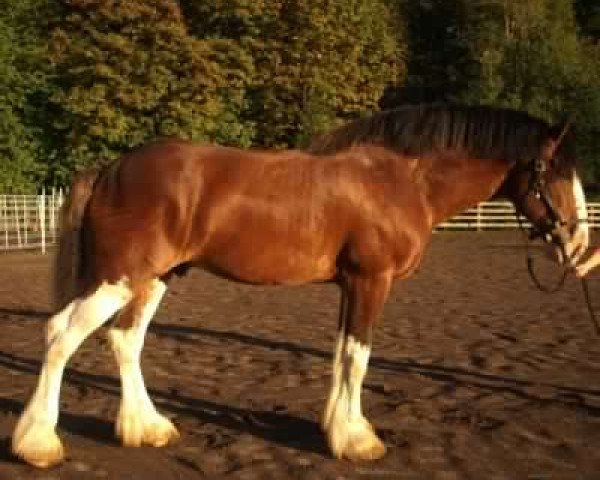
x,y
570,243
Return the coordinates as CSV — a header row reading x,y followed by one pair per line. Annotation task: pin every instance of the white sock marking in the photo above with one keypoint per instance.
x,y
138,421
348,431
580,240
37,423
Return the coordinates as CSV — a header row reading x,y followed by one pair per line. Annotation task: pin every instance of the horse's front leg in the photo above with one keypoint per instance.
x,y
349,433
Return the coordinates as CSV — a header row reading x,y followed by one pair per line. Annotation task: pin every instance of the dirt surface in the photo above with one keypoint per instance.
x,y
474,375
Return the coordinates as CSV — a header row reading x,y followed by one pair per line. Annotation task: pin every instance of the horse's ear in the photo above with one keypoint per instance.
x,y
562,130
558,134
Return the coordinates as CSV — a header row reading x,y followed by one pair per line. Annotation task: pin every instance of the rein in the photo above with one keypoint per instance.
x,y
590,307
536,186
560,283
530,264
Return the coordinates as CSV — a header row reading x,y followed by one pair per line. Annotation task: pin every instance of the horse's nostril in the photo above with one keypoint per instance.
x,y
573,229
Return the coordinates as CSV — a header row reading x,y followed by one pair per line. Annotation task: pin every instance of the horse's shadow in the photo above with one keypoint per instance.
x,y
566,395
25,312
278,427
281,428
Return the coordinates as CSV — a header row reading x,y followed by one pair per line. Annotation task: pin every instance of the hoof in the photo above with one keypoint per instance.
x,y
160,434
364,449
38,446
356,441
134,431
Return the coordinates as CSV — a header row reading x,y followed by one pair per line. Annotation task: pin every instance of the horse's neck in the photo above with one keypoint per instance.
x,y
454,184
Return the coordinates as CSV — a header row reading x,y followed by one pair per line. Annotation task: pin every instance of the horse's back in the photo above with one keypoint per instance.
x,y
172,202
260,217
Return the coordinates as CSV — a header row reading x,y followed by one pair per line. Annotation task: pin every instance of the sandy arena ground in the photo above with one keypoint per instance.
x,y
475,375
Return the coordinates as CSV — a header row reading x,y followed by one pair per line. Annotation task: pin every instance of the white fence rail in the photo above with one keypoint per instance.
x,y
500,215
31,221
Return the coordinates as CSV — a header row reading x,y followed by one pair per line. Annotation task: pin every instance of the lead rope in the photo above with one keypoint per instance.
x,y
590,307
584,284
559,284
530,268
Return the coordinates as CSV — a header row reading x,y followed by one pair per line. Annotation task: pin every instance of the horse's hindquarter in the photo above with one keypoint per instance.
x,y
139,216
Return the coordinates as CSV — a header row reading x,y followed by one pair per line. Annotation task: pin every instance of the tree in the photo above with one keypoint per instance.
x,y
588,18
532,58
129,72
22,81
314,60
524,55
438,64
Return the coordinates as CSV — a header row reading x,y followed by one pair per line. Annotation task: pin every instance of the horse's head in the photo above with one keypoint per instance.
x,y
548,191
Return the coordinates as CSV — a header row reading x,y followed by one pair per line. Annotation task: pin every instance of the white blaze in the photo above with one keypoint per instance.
x,y
579,242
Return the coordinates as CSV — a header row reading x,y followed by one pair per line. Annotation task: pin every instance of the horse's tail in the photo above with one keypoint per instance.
x,y
69,260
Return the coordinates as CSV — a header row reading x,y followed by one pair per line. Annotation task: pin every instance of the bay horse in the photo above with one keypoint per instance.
x,y
356,208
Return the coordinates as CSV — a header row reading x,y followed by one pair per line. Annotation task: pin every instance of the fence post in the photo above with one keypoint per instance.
x,y
25,222
17,223
5,220
42,216
53,215
479,217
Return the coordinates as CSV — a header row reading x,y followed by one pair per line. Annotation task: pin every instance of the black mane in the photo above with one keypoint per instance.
x,y
478,131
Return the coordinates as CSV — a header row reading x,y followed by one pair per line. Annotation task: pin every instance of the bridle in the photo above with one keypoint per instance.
x,y
549,228
538,188
547,231
553,220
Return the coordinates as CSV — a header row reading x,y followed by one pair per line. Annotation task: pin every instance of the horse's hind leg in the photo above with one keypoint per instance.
x,y
138,422
34,438
59,322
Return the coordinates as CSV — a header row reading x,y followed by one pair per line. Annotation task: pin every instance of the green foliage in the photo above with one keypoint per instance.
x,y
528,54
129,72
314,60
22,77
82,81
531,58
524,55
438,60
588,18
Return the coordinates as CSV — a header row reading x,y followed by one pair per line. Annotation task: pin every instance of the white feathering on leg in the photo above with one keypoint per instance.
x,y
349,433
138,422
34,438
